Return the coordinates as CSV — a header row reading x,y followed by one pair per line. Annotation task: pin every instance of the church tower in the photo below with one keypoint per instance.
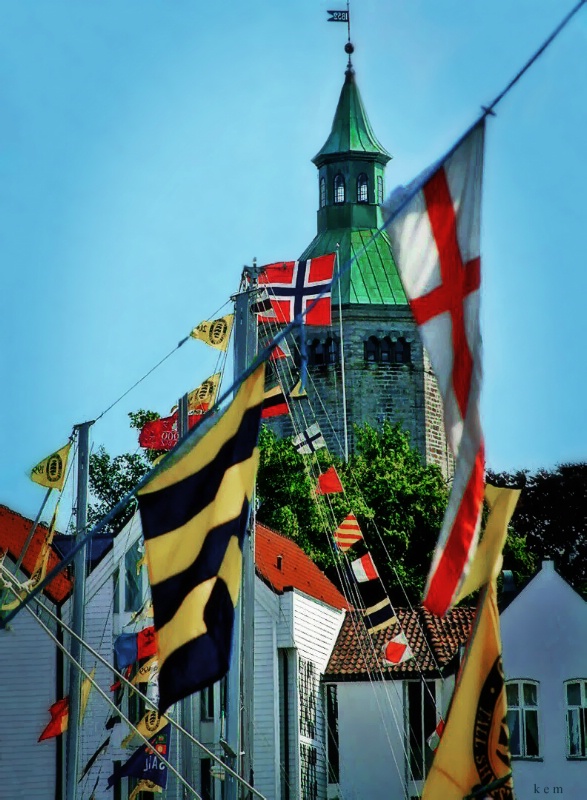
x,y
387,372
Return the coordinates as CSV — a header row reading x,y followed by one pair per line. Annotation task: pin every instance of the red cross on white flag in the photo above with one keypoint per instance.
x,y
435,240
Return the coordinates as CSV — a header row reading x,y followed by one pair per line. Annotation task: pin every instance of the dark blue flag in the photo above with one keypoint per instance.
x,y
125,650
144,762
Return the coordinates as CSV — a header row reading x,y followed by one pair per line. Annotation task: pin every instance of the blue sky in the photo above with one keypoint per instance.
x,y
150,148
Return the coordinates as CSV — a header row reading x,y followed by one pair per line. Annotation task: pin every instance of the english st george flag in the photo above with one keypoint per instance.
x,y
435,239
294,285
194,515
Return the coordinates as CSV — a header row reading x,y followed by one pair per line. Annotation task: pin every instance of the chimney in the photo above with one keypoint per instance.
x,y
279,562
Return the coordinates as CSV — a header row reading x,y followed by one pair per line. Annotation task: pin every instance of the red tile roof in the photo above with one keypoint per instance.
x,y
357,656
14,530
283,565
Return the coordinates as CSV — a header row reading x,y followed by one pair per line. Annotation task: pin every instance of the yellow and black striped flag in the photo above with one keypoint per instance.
x,y
194,516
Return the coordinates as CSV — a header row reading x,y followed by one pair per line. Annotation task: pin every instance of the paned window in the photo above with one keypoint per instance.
x,y
422,720
332,732
372,349
316,353
322,192
387,351
207,703
403,353
362,188
576,697
132,582
522,718
309,780
379,189
339,189
308,687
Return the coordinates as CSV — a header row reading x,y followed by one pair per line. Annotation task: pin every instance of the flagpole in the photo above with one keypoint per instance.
x,y
186,707
342,373
77,612
240,690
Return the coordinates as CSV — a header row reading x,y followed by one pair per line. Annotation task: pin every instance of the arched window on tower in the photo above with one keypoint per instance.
x,y
387,351
379,189
330,351
339,190
372,349
362,188
322,192
403,354
316,353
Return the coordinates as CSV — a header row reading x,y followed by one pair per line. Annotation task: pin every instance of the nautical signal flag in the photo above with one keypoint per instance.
x,y
397,650
216,332
163,433
309,440
295,285
50,472
329,482
145,763
435,236
194,516
280,350
474,749
151,723
274,403
59,711
348,533
298,391
434,739
364,568
130,647
262,305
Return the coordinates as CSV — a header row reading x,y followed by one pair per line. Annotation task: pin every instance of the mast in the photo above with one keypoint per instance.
x,y
77,620
239,716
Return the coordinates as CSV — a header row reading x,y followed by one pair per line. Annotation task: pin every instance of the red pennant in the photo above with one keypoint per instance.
x,y
59,716
147,642
329,482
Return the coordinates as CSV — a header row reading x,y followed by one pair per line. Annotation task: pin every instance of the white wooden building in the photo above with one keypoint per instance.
x,y
380,716
544,638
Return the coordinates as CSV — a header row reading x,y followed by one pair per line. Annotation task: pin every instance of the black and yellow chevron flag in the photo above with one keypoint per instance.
x,y
194,516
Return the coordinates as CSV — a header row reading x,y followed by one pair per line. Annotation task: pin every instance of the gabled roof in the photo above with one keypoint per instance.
x,y
435,641
14,530
283,565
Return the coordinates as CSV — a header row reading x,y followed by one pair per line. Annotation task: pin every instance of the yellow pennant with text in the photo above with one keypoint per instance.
x,y
50,472
215,332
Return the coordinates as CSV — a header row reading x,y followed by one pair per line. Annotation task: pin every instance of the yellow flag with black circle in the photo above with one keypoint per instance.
x,y
50,472
473,759
194,514
215,332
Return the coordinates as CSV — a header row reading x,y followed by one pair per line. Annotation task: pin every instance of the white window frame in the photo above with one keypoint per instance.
x,y
581,713
523,710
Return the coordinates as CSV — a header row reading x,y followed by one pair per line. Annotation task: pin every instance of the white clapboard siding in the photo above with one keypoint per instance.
x,y
28,668
266,697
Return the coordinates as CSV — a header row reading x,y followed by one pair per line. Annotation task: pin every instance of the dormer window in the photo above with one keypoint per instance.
x,y
322,192
362,188
379,189
339,189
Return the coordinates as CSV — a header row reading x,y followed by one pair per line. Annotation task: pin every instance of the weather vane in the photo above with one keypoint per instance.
x,y
344,16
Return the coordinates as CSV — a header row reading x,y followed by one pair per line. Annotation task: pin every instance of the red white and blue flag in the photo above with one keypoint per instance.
x,y
294,285
435,233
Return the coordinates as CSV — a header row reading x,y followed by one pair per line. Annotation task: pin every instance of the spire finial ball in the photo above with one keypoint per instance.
x,y
349,48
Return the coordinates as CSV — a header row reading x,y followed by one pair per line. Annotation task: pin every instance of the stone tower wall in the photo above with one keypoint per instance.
x,y
404,393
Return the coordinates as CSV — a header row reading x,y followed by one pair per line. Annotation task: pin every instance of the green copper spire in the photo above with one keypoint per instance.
x,y
351,130
351,188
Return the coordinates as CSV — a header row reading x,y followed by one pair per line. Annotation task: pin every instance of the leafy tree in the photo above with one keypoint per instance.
x,y
110,479
551,517
398,501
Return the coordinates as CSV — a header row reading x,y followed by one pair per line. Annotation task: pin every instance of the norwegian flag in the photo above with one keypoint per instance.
x,y
435,233
294,285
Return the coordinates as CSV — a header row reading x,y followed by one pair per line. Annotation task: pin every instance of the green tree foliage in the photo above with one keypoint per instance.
x,y
551,518
398,501
110,479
